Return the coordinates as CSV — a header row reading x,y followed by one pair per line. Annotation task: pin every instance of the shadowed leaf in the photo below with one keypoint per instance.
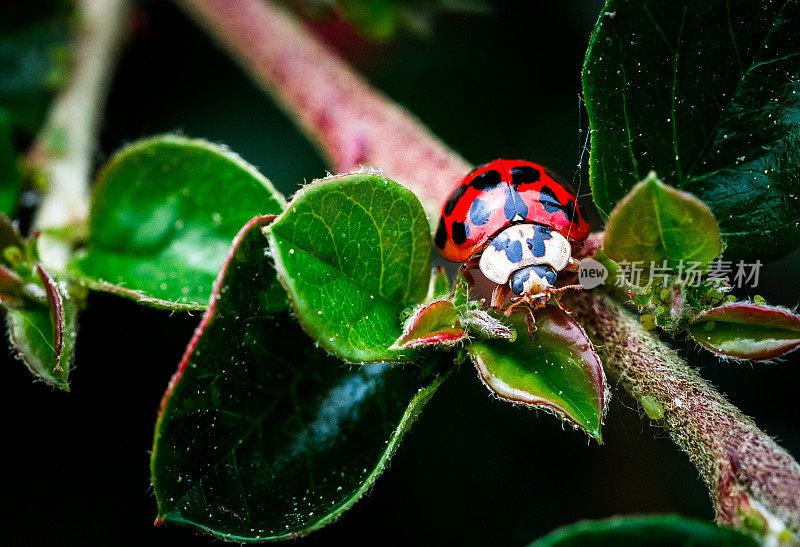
x,y
163,215
261,435
747,331
645,531
557,370
706,93
353,251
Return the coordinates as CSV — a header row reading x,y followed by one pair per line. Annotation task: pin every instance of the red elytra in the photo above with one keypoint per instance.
x,y
499,194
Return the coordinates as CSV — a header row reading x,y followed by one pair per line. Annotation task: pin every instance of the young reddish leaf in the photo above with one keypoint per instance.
x,y
261,435
656,223
747,331
557,370
433,323
44,334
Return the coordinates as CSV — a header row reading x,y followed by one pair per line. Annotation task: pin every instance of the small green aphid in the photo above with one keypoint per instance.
x,y
653,409
648,321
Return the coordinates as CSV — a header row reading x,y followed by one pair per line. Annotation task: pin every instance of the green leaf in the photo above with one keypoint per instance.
x,y
557,370
43,334
707,94
656,222
162,218
747,331
437,322
353,251
376,19
645,530
261,435
440,285
9,170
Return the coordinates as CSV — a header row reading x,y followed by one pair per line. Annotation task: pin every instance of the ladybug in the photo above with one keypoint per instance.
x,y
518,224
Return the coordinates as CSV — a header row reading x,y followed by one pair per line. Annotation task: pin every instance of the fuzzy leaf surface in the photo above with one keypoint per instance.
x,y
656,223
261,435
645,530
353,251
706,93
163,215
557,370
746,331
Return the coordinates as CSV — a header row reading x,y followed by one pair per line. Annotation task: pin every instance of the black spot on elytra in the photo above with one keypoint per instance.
x,y
549,200
460,232
536,242
514,205
513,249
524,174
452,201
486,180
440,239
479,212
571,211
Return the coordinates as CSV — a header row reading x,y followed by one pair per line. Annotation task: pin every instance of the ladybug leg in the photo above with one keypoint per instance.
x,y
557,290
470,264
499,296
526,308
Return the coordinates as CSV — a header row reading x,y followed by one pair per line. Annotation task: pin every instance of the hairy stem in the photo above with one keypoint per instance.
x,y
746,471
63,152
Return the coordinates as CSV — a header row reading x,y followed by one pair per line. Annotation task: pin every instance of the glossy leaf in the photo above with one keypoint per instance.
x,y
353,251
9,170
704,93
163,215
645,531
656,223
557,370
747,331
261,435
437,322
43,334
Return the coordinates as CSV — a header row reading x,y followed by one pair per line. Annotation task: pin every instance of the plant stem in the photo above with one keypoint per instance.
x,y
352,123
63,152
746,471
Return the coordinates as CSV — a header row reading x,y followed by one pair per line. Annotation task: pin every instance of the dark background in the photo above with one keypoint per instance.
x,y
473,471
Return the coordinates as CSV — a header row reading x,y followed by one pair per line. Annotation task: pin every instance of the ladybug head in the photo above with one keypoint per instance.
x,y
532,279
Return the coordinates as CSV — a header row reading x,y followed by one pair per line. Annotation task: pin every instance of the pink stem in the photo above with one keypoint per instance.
x,y
351,122
746,471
